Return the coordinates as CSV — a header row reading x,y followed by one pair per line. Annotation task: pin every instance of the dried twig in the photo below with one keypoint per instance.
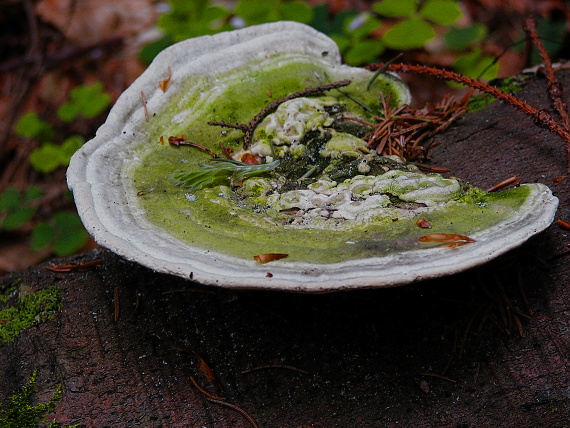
x,y
221,401
273,105
250,127
514,180
226,151
74,266
241,127
541,118
236,408
554,86
203,391
181,141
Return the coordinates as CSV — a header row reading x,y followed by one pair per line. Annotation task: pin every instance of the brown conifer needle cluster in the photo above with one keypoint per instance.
x,y
408,132
541,117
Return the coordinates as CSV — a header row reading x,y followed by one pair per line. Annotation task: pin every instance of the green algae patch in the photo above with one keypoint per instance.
x,y
216,223
27,310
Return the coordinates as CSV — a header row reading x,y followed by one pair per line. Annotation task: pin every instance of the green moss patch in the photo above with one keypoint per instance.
x,y
26,310
19,412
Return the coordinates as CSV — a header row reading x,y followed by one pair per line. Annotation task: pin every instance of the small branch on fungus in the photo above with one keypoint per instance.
x,y
270,108
228,125
181,141
273,106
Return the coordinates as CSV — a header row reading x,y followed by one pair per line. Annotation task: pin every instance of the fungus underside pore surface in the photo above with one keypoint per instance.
x,y
210,220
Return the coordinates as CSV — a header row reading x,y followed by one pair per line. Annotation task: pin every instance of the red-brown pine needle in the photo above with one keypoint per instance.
x,y
554,86
540,117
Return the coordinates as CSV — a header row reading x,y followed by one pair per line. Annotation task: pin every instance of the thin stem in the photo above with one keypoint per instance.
x,y
270,108
554,87
228,125
181,141
273,105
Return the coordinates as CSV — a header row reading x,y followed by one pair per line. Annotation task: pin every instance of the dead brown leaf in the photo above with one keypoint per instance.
x,y
91,21
269,257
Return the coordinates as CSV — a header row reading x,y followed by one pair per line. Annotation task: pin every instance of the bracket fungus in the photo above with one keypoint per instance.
x,y
267,165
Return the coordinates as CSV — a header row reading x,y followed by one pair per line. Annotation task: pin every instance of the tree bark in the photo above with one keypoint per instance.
x,y
447,352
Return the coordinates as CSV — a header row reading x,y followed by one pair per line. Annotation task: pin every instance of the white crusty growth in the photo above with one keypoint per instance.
x,y
363,199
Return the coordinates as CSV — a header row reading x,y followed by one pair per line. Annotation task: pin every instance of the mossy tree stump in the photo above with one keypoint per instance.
x,y
432,354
